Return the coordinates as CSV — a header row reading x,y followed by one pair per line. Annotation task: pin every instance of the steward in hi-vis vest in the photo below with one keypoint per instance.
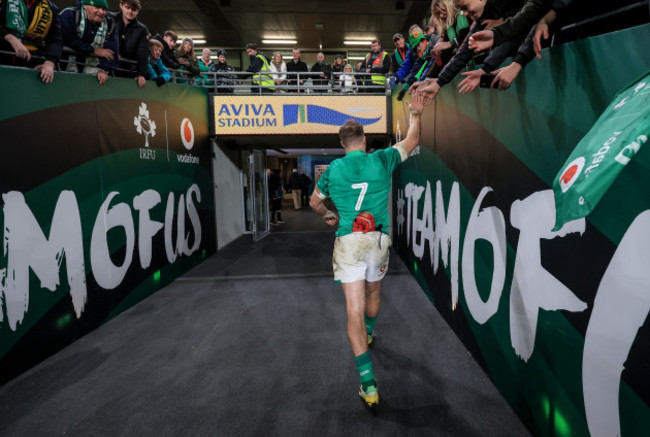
x,y
378,63
264,82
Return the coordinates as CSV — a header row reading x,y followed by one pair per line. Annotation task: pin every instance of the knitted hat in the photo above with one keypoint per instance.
x,y
187,38
96,3
415,37
221,52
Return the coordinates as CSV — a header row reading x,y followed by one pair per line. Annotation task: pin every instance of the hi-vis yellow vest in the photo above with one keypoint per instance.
x,y
378,62
267,79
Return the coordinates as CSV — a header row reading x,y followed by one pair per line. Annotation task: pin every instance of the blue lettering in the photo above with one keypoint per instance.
x,y
224,110
236,110
268,109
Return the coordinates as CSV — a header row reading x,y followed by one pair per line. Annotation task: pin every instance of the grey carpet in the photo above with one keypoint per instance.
x,y
252,343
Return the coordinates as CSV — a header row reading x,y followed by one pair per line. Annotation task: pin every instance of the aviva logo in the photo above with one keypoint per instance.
x,y
294,114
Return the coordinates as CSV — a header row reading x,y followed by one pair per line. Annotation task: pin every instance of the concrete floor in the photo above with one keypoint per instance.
x,y
252,342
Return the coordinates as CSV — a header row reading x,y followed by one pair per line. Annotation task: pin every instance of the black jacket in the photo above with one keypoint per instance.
x,y
294,67
168,55
134,44
321,67
294,181
224,83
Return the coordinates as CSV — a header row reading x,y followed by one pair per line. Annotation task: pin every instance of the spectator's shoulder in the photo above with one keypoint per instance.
x,y
142,25
68,12
55,8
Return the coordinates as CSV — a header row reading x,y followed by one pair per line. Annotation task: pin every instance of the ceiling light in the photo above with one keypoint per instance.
x,y
356,43
279,41
356,58
196,40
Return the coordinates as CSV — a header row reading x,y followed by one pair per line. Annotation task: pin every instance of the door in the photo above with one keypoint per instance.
x,y
259,194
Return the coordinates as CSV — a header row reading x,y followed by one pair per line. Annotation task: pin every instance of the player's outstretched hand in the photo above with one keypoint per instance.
x,y
417,102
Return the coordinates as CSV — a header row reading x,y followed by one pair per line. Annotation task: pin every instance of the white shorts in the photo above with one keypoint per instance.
x,y
357,257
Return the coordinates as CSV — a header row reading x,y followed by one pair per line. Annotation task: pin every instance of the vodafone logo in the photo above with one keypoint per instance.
x,y
187,133
571,173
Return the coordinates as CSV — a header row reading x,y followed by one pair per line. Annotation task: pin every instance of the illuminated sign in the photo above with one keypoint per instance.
x,y
296,114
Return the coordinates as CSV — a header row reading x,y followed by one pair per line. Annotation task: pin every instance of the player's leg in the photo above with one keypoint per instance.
x,y
377,262
355,298
373,303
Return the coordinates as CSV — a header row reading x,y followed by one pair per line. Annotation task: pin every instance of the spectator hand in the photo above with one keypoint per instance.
x,y
104,53
429,91
416,85
489,24
19,48
440,46
471,81
482,40
160,81
541,31
184,61
506,75
102,77
141,81
47,71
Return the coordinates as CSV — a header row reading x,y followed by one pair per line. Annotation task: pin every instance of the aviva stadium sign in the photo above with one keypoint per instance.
x,y
296,114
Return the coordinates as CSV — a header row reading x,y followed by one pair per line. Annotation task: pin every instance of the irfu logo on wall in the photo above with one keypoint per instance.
x,y
144,124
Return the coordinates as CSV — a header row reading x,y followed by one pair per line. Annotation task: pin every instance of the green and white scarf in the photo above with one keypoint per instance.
x,y
16,17
100,38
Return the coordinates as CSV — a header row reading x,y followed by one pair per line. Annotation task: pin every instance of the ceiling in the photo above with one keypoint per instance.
x,y
315,24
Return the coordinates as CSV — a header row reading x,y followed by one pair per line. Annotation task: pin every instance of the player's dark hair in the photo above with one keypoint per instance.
x,y
351,132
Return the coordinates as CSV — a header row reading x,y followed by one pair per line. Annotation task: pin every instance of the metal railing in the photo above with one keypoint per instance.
x,y
240,82
294,82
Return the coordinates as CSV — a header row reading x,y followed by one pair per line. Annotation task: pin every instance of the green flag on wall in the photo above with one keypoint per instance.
x,y
617,136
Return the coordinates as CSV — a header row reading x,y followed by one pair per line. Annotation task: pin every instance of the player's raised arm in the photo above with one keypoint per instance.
x,y
416,106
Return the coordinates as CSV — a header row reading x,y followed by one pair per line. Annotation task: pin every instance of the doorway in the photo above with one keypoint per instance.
x,y
256,200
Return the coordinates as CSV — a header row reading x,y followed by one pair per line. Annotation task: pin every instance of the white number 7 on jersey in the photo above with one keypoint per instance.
x,y
363,186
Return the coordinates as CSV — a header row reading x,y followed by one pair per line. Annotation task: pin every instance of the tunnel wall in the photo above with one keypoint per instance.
x,y
554,318
106,197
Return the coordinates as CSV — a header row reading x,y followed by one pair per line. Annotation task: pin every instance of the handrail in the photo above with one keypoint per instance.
x,y
606,15
231,81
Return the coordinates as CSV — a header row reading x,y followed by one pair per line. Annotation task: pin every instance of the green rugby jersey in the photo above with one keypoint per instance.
x,y
360,182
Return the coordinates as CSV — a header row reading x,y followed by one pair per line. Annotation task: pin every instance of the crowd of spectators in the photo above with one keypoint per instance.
x,y
86,38
472,35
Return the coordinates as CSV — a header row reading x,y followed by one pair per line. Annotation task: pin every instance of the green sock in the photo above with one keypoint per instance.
x,y
364,367
370,323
